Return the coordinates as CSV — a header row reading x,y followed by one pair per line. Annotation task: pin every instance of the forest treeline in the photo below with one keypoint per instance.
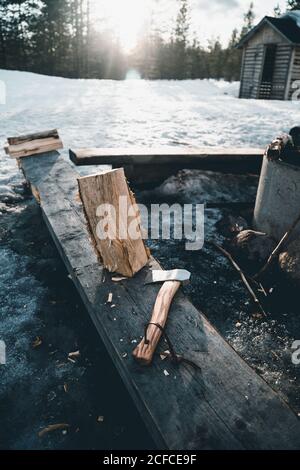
x,y
61,37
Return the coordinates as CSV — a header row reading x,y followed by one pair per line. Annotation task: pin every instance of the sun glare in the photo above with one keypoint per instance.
x,y
127,18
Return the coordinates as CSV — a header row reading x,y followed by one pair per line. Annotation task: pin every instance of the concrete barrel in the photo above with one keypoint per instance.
x,y
278,199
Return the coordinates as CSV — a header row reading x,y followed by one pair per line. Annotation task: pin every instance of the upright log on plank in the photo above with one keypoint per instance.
x,y
114,222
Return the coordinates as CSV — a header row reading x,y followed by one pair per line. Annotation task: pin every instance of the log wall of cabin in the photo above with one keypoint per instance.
x,y
253,63
294,75
283,63
251,73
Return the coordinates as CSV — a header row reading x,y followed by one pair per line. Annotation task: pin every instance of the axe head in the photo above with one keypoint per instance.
x,y
181,275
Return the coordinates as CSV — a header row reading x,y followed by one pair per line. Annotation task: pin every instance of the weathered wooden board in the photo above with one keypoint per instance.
x,y
33,144
149,156
35,147
224,406
53,133
150,165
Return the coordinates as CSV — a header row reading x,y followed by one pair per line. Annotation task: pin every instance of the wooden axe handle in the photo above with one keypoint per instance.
x,y
144,353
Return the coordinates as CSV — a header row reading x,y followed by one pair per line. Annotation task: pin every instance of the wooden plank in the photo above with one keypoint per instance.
x,y
149,156
34,147
53,133
226,405
119,252
164,162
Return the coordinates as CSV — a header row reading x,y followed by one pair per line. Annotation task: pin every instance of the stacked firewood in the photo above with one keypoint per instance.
x,y
286,147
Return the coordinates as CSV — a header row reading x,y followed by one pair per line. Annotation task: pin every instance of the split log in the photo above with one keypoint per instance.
x,y
21,139
114,222
35,147
279,147
33,144
289,262
278,248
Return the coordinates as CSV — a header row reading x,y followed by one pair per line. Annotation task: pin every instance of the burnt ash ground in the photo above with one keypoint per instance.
x,y
40,386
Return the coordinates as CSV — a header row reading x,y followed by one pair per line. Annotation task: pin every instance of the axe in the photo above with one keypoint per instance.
x,y
172,280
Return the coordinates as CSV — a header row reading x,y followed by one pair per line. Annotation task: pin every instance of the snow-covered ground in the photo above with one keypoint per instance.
x,y
136,112
110,113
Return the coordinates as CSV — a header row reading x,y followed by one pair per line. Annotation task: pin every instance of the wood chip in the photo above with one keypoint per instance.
x,y
74,355
53,427
100,419
53,352
257,316
37,342
119,279
164,355
166,373
110,297
66,388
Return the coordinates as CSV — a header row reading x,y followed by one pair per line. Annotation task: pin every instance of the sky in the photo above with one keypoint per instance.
x,y
209,18
220,17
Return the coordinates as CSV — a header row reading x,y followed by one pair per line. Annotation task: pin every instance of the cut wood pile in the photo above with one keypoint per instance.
x,y
33,144
286,147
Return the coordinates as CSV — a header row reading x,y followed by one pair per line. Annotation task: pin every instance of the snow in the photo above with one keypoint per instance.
x,y
294,15
137,112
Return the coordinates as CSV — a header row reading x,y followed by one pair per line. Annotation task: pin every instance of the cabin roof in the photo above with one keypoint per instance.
x,y
287,25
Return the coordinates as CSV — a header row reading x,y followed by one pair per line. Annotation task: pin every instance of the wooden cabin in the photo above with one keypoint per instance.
x,y
271,58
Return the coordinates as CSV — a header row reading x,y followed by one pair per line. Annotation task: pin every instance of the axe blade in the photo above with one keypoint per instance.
x,y
181,275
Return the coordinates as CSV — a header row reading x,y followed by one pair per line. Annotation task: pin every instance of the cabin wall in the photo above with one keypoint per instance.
x,y
251,71
266,35
294,75
283,63
253,64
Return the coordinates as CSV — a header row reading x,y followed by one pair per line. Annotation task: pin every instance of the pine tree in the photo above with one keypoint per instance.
x,y
216,59
51,38
3,33
182,23
233,59
15,45
179,44
277,11
249,18
293,5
